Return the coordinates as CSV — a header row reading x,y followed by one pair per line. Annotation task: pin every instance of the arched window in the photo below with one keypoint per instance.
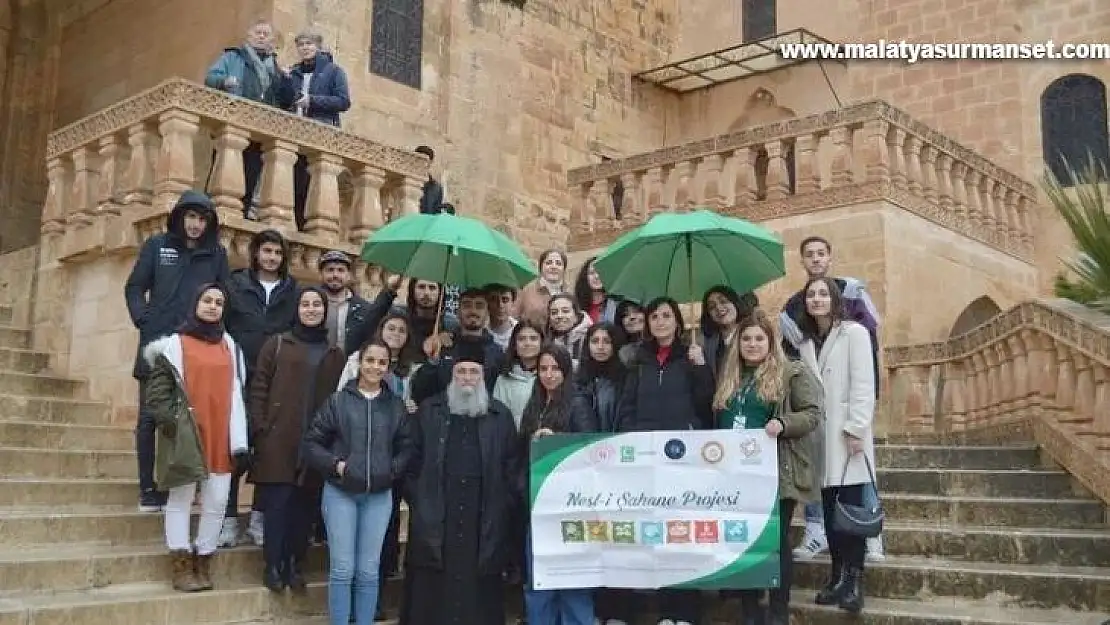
x,y
397,40
1073,124
758,19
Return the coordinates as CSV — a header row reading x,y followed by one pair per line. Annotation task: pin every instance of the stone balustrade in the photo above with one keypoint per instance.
x,y
864,152
1044,361
114,175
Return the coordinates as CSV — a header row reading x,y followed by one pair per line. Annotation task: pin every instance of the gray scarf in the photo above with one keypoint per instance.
x,y
262,68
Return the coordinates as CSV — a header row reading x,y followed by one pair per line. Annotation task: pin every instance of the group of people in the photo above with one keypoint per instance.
x,y
314,87
339,409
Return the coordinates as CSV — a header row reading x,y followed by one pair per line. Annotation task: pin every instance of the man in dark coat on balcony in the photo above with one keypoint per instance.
x,y
431,201
162,287
320,92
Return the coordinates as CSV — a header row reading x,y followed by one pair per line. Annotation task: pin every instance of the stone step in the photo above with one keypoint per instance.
x,y
33,526
156,603
16,338
35,491
957,457
1037,586
956,438
66,463
41,385
39,434
23,360
54,410
1003,545
980,483
995,511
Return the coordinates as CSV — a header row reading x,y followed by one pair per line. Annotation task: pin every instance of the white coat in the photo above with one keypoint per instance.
x,y
847,373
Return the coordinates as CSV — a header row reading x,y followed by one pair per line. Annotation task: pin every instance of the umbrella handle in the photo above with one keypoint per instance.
x,y
442,302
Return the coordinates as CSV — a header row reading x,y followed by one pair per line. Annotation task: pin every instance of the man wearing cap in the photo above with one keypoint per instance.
x,y
472,340
466,472
351,319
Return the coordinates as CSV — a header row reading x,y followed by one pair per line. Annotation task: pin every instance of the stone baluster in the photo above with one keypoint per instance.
x,y
53,210
992,391
680,178
986,203
656,189
228,184
1043,368
876,151
632,205
1004,376
959,189
1101,425
896,147
746,189
712,189
366,206
1023,219
322,211
972,198
669,178
929,185
807,178
1019,371
111,174
175,170
1065,382
275,207
602,200
138,187
980,392
841,137
1084,389
954,398
914,180
778,178
1001,212
585,207
84,189
412,189
944,182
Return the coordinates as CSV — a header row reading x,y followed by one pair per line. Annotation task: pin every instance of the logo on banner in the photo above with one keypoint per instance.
x,y
675,449
651,533
706,532
736,531
628,453
713,452
678,531
603,454
750,449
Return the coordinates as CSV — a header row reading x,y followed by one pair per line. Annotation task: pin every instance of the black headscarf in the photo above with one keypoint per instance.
x,y
203,330
317,334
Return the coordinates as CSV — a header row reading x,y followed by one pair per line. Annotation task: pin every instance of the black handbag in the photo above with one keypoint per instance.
x,y
856,520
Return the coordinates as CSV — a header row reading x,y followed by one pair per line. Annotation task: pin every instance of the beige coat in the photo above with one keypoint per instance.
x,y
847,374
532,303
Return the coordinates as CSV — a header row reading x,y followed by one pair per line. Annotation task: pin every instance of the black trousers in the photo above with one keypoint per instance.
x,y
616,603
252,174
679,605
845,549
233,495
288,514
301,180
144,441
779,597
391,548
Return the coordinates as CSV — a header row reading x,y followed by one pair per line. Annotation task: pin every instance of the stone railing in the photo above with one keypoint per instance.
x,y
863,152
114,175
1044,363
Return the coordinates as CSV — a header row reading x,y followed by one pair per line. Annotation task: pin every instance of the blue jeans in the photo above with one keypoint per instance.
x,y
556,607
356,525
814,513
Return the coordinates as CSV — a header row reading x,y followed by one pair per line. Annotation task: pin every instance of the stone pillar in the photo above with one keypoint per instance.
x,y
322,212
83,196
228,183
111,174
276,204
138,186
367,215
411,191
176,168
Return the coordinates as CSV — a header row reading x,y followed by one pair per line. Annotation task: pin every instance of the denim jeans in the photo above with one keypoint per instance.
x,y
556,607
815,514
356,525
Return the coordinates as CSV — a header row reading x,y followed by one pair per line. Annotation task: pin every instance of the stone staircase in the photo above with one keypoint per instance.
x,y
979,535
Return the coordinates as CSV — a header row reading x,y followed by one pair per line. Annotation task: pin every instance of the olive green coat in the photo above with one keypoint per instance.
x,y
799,443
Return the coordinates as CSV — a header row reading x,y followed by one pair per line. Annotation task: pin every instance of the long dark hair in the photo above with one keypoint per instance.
x,y
590,368
745,304
554,414
655,305
623,309
512,358
806,323
410,353
582,291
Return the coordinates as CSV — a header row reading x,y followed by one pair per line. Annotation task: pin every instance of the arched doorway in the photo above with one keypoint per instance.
x,y
974,315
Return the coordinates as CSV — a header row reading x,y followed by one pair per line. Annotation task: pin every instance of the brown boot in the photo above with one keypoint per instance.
x,y
184,579
202,567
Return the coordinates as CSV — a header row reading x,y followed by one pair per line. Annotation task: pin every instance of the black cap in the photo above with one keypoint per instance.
x,y
334,256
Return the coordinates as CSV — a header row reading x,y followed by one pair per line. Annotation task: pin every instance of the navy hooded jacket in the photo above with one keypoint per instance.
x,y
328,94
164,281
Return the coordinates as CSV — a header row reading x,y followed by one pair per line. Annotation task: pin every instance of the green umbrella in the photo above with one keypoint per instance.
x,y
450,250
681,255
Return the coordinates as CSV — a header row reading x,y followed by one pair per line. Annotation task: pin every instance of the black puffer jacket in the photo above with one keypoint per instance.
x,y
250,319
675,396
371,436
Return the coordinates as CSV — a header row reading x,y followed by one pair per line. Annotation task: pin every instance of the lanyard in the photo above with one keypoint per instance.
x,y
741,420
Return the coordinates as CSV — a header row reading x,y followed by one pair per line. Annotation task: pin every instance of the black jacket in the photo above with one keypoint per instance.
x,y
363,318
167,274
502,485
601,396
431,200
676,396
371,436
250,319
328,94
434,377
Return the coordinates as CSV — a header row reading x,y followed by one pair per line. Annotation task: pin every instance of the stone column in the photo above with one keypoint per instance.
x,y
367,215
83,196
138,187
228,183
322,212
175,171
276,204
111,173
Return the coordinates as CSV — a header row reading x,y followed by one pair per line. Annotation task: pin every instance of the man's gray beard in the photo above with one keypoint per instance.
x,y
468,402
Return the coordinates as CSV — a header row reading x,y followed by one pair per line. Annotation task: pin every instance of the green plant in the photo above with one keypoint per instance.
x,y
1081,203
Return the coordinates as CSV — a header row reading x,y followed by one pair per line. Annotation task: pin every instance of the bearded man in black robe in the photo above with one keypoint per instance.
x,y
465,481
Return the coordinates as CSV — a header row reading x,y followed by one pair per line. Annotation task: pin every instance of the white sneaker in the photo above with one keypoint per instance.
x,y
229,533
682,623
875,549
814,543
254,530
666,621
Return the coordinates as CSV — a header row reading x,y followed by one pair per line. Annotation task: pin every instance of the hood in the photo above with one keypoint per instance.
x,y
269,236
518,374
352,387
157,348
323,59
197,201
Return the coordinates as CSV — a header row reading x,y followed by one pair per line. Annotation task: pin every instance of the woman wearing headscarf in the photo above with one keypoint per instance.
x,y
195,394
296,372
